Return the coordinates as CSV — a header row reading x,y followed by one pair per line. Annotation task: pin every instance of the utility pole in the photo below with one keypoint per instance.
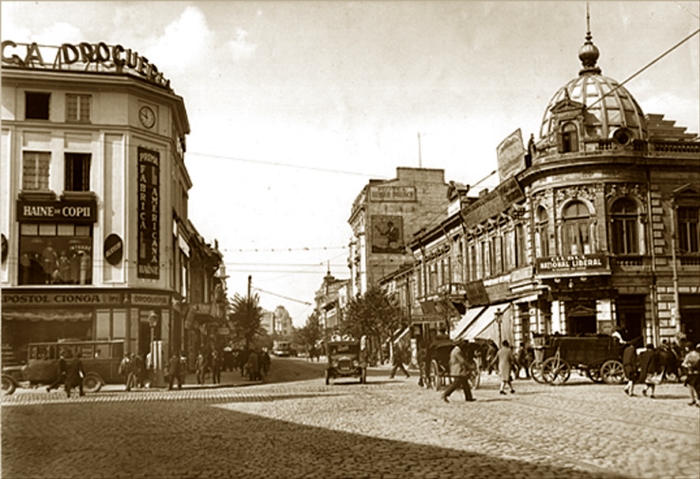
x,y
420,156
250,281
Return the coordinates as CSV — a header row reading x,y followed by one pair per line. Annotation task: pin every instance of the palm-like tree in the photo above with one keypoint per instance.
x,y
246,318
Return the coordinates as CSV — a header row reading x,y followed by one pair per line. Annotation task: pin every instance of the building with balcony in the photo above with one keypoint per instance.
x,y
96,241
330,301
593,226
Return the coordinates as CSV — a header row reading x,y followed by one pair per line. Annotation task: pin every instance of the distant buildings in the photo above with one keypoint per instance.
x,y
96,240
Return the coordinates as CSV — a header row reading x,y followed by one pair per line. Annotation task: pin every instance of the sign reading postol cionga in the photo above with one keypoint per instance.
x,y
82,57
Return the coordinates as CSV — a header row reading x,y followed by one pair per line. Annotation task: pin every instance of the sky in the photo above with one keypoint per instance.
x,y
294,106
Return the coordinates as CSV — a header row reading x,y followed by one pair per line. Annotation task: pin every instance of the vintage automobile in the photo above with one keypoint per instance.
x,y
344,360
100,361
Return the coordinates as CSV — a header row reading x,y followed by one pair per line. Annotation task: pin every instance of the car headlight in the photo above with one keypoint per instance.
x,y
334,364
355,363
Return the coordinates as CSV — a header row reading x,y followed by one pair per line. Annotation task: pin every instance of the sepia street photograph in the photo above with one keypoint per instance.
x,y
327,239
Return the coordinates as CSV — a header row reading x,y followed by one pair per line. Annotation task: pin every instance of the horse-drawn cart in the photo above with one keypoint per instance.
x,y
598,356
437,363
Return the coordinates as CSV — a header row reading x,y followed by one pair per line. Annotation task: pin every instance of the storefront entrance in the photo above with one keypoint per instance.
x,y
581,317
630,315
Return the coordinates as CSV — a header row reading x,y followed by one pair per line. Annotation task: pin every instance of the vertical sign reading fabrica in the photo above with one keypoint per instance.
x,y
149,214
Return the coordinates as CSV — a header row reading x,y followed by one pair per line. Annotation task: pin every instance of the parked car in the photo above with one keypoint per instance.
x,y
100,361
344,360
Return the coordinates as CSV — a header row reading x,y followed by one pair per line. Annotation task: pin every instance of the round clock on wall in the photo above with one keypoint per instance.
x,y
147,116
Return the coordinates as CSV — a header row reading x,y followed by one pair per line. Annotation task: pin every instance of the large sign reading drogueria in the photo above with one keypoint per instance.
x,y
83,56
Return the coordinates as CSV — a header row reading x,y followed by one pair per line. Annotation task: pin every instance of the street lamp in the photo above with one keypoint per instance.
x,y
499,319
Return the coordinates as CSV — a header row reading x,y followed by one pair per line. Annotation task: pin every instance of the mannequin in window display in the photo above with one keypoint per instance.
x,y
63,268
50,261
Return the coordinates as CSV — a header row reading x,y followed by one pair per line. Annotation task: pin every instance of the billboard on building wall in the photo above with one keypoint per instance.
x,y
387,234
511,156
148,262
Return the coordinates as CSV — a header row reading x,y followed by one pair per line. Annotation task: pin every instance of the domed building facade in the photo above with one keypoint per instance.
x,y
593,227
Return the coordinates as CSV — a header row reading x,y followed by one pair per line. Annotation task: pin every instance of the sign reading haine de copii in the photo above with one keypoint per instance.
x,y
81,57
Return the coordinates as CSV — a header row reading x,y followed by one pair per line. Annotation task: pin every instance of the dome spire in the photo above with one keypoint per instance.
x,y
588,54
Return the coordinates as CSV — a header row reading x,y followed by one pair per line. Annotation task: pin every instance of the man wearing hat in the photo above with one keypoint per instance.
x,y
459,371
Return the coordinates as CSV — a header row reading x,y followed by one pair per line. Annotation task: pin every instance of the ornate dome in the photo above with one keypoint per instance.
x,y
608,106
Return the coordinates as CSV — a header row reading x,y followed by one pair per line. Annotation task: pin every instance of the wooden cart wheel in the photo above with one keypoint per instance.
x,y
435,379
556,371
536,372
612,372
593,373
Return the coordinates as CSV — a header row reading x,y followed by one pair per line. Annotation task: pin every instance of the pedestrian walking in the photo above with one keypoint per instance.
x,y
75,375
216,367
61,369
125,370
629,365
253,366
505,359
649,369
131,373
265,362
200,368
139,371
174,372
491,351
460,369
523,362
692,381
397,363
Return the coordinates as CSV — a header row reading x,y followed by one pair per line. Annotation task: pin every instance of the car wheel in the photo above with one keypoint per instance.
x,y
92,383
8,385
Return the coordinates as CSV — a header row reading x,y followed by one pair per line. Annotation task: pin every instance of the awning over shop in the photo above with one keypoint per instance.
x,y
54,315
466,320
484,320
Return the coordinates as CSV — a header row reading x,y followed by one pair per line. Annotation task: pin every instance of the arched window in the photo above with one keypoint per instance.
x,y
576,229
569,138
542,233
624,231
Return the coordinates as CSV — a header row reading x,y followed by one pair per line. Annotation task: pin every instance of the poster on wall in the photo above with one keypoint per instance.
x,y
387,234
148,214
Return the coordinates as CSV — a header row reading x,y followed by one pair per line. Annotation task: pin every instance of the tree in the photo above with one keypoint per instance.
x,y
246,318
374,315
309,334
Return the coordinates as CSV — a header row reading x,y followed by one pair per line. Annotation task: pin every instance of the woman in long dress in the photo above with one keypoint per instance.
x,y
506,359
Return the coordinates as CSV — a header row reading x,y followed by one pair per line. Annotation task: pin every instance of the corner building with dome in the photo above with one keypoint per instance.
x,y
593,227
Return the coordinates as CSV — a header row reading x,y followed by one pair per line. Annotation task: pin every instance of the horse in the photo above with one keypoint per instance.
x,y
669,363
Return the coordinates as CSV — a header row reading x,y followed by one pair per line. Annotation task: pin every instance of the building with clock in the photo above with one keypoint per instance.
x,y
97,240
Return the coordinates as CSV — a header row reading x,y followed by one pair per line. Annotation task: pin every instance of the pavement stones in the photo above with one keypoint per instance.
x,y
384,429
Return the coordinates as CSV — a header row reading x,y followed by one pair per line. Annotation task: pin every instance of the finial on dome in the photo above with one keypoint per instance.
x,y
589,53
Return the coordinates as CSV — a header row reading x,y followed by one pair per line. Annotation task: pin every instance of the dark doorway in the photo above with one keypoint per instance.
x,y
581,318
690,316
631,310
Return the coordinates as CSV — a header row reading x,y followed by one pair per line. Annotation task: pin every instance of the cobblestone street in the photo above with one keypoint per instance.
x,y
384,429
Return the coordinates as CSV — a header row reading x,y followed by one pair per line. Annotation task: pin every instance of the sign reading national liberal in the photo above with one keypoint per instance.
x,y
148,214
82,56
562,265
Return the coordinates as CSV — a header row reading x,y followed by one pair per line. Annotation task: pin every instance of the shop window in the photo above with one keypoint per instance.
x,y
576,229
50,258
77,172
35,170
78,108
569,138
36,106
624,234
542,233
688,231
